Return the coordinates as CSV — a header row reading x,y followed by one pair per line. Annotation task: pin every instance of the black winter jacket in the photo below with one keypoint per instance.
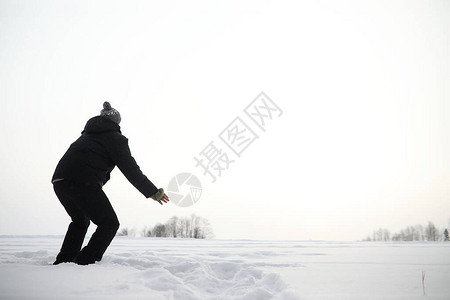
x,y
92,157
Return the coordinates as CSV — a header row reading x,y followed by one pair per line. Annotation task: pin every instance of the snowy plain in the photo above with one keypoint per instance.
x,y
152,268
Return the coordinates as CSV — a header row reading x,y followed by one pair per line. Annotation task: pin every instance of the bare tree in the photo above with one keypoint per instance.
x,y
367,239
172,227
185,227
123,232
201,228
432,232
419,233
159,230
181,230
410,233
147,232
207,231
380,235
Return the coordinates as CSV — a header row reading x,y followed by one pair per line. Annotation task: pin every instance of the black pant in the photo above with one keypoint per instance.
x,y
86,203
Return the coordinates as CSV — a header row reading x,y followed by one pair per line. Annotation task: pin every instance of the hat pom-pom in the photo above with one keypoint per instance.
x,y
106,105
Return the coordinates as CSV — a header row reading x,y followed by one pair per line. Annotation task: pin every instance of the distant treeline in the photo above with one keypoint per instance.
x,y
411,233
176,227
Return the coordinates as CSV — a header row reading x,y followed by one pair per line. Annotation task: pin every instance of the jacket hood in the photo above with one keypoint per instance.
x,y
100,125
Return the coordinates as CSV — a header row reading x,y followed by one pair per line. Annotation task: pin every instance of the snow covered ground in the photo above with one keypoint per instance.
x,y
148,268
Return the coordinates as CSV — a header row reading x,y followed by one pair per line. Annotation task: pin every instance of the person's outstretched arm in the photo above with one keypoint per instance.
x,y
121,155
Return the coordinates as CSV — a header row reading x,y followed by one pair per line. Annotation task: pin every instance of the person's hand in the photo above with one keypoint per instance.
x,y
160,197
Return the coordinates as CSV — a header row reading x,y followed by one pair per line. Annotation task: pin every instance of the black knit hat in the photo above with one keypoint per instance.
x,y
110,113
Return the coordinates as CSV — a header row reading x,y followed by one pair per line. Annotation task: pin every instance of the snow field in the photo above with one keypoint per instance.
x,y
135,268
151,268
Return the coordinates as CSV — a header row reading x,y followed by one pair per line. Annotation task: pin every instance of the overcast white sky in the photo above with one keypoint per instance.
x,y
364,87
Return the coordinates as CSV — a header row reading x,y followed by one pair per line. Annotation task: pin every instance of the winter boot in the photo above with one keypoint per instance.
x,y
83,259
64,258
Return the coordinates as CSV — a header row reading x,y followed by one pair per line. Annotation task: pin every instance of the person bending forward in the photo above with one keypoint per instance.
x,y
78,181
